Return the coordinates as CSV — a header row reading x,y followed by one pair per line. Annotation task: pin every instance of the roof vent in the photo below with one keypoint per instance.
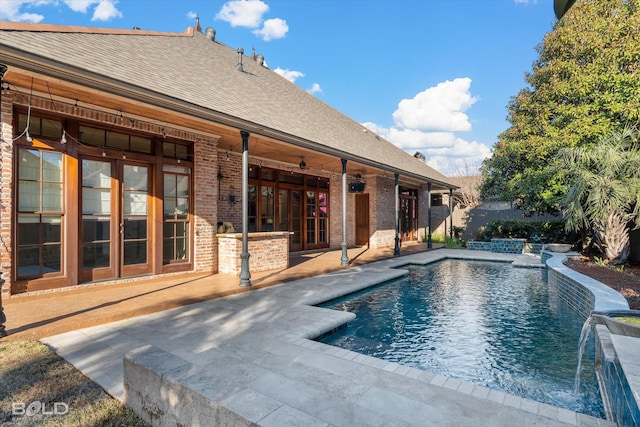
x,y
211,34
240,53
260,59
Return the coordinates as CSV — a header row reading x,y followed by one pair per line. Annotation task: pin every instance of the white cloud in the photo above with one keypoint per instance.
x,y
79,5
10,10
192,15
243,13
106,10
290,75
315,88
428,122
272,29
439,108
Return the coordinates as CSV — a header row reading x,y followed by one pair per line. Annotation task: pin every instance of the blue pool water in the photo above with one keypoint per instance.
x,y
483,322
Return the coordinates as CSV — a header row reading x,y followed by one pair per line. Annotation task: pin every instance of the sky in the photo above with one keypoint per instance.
x,y
434,76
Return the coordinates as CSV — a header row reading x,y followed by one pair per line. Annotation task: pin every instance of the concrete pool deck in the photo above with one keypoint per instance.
x,y
251,353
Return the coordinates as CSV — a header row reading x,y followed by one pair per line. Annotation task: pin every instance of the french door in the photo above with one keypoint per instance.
x,y
115,226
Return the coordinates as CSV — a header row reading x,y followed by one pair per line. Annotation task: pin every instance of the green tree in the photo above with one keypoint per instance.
x,y
604,192
584,85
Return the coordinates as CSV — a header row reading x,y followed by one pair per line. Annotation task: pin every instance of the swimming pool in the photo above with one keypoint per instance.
x,y
483,322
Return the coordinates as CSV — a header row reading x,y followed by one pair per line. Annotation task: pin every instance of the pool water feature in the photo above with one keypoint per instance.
x,y
483,322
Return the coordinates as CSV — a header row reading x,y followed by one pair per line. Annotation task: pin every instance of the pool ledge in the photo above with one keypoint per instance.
x,y
617,363
249,360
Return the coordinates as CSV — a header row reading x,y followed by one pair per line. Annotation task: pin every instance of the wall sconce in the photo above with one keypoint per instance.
x,y
63,140
303,165
29,139
358,176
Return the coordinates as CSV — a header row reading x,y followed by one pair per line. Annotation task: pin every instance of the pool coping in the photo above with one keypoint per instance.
x,y
260,345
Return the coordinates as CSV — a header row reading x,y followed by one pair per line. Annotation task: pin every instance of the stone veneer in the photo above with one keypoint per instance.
x,y
499,245
269,251
617,363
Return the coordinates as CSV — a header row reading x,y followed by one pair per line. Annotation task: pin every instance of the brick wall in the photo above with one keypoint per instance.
x,y
230,194
205,204
6,189
383,220
268,252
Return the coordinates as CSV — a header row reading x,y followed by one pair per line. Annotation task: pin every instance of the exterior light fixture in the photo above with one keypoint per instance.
x,y
303,165
63,140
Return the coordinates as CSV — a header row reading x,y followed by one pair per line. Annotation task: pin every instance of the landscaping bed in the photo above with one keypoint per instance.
x,y
625,280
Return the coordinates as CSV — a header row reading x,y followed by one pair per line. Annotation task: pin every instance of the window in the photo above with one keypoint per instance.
x,y
323,210
39,235
177,202
175,151
40,126
267,208
115,140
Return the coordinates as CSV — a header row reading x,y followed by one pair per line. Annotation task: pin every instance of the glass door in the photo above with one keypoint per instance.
x,y
115,220
134,220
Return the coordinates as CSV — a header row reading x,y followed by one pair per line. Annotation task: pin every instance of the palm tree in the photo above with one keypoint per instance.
x,y
604,193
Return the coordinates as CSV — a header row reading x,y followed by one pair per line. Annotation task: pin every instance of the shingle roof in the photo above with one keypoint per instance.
x,y
191,68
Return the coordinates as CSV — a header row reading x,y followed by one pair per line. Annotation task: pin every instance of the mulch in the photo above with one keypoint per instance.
x,y
625,280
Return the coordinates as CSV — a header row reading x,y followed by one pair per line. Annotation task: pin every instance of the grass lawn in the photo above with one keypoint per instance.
x,y
31,373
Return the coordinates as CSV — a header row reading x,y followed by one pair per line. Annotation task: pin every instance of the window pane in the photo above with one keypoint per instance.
x,y
181,229
182,151
168,230
135,228
182,186
22,122
51,229
183,206
142,145
169,208
51,167
170,185
96,201
181,249
168,149
28,230
135,253
29,167
28,261
95,255
51,259
91,136
51,128
135,178
29,196
118,140
95,228
135,203
96,174
167,250
52,197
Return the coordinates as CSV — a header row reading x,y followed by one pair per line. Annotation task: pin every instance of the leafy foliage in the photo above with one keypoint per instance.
x,y
583,86
604,196
534,232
